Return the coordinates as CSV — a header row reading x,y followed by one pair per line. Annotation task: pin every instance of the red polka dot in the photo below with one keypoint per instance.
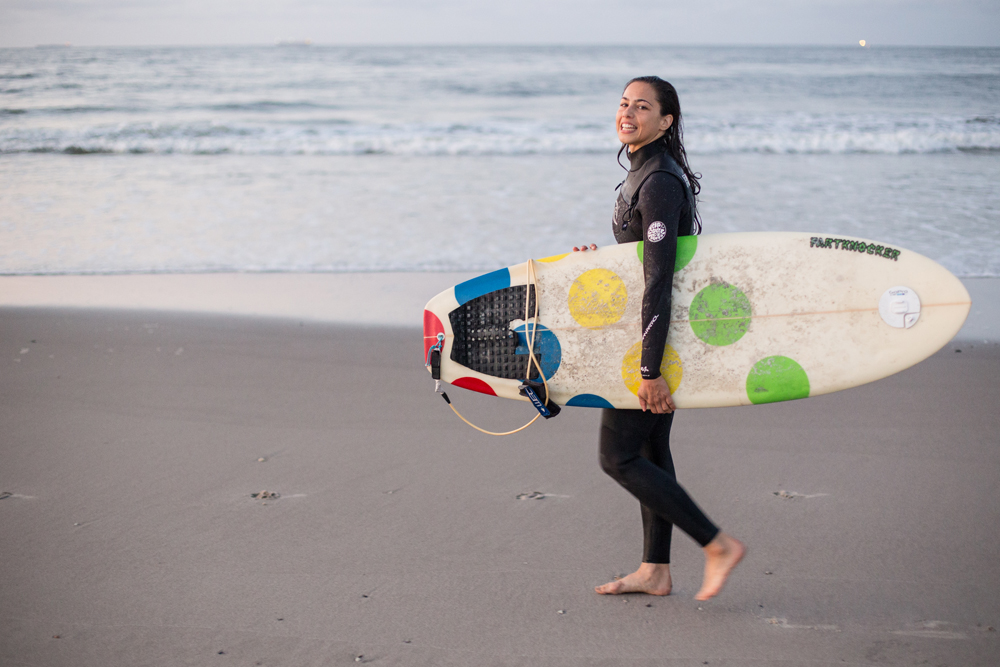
x,y
474,384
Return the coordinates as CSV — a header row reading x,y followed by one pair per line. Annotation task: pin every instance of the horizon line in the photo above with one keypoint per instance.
x,y
309,43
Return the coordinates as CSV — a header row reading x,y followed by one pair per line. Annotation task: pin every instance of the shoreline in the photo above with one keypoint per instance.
x,y
394,299
389,299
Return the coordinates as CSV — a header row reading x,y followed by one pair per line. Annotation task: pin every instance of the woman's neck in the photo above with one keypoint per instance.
x,y
641,155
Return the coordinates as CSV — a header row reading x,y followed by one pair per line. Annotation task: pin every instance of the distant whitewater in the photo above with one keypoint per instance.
x,y
489,101
780,133
305,127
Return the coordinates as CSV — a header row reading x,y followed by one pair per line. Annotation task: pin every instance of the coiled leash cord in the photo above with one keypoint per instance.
x,y
438,347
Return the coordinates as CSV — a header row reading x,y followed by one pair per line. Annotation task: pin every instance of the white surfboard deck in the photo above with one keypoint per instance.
x,y
756,318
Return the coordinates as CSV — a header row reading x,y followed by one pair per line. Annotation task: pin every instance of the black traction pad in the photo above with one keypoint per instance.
x,y
483,339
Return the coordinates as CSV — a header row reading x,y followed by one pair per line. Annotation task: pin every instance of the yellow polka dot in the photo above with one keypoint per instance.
x,y
597,298
670,368
553,258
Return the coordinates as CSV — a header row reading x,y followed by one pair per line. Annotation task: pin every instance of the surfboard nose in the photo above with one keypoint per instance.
x,y
956,302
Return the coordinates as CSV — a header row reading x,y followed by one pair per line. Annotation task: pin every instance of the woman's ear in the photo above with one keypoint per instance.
x,y
666,122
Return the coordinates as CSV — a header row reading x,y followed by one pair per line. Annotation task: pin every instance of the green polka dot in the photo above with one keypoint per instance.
x,y
686,247
720,314
774,379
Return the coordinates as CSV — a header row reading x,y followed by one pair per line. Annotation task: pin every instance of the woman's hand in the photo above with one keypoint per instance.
x,y
654,395
584,247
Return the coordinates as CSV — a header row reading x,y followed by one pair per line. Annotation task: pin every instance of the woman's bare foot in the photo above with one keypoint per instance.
x,y
722,554
651,578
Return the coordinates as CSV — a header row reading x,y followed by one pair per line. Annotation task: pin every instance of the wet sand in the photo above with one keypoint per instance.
x,y
133,442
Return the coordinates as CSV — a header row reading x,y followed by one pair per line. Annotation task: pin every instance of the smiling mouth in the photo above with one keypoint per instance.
x,y
627,127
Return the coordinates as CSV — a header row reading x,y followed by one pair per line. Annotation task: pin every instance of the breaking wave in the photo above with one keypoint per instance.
x,y
791,134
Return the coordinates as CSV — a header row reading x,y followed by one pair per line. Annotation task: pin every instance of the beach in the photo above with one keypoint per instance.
x,y
218,445
135,440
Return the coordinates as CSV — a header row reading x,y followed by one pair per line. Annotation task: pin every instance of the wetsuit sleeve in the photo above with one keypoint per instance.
x,y
661,203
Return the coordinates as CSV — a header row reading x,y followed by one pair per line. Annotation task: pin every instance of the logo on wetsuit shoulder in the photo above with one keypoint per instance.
x,y
656,231
856,246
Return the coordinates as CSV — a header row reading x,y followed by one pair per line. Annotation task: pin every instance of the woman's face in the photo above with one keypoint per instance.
x,y
638,121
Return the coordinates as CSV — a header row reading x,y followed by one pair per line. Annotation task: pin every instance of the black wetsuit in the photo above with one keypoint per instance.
x,y
655,205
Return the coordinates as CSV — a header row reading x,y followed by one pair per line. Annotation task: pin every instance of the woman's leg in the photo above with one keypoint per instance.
x,y
635,451
624,435
656,530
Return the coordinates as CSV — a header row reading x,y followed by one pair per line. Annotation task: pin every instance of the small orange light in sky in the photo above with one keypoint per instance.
x,y
862,42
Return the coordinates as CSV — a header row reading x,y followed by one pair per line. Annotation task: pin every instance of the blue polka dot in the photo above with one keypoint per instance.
x,y
589,401
548,351
481,285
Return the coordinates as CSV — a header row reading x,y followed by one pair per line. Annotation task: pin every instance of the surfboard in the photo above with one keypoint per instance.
x,y
755,318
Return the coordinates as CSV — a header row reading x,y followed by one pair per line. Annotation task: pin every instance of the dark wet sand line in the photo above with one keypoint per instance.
x,y
131,445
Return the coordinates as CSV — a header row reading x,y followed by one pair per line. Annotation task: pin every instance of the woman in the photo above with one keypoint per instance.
x,y
656,204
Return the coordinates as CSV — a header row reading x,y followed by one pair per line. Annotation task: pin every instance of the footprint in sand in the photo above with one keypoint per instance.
x,y
4,495
538,495
933,630
792,495
783,623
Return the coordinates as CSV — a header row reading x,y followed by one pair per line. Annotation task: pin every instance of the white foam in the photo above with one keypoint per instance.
x,y
775,133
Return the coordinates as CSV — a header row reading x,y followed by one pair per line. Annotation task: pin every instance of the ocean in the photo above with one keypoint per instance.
x,y
316,158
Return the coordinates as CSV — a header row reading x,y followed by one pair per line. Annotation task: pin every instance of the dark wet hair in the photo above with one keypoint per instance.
x,y
670,104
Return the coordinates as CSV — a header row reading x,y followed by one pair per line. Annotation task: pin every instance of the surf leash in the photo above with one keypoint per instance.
x,y
528,389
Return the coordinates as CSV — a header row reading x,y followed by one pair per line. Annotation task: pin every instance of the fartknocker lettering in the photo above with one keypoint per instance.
x,y
657,230
857,246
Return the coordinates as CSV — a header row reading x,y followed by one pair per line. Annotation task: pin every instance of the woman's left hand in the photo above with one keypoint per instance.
x,y
654,395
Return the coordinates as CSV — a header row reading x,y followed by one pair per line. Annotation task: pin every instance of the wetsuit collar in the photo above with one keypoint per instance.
x,y
642,156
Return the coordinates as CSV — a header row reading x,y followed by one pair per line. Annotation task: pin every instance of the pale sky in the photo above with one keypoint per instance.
x,y
183,22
